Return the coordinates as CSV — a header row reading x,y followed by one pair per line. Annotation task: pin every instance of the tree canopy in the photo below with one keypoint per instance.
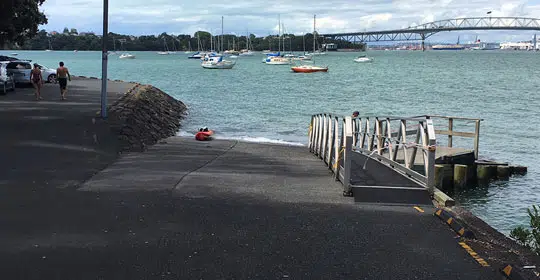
x,y
20,20
200,40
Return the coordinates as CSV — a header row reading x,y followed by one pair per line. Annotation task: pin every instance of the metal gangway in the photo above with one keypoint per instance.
x,y
405,146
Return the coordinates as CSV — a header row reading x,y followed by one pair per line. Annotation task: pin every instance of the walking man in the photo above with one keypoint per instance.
x,y
62,75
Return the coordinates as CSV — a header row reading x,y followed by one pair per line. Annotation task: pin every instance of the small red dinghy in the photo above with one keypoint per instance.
x,y
204,134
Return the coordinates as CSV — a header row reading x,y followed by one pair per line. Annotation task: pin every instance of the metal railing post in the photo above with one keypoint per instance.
x,y
450,129
347,154
310,135
431,149
476,138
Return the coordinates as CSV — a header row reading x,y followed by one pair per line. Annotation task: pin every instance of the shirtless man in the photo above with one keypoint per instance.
x,y
62,75
37,80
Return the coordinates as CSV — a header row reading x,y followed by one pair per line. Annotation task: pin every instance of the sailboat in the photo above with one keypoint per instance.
x,y
173,47
189,47
50,47
247,51
216,61
125,55
166,48
310,68
277,58
199,54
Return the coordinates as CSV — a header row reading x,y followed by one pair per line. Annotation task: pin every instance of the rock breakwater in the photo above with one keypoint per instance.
x,y
145,115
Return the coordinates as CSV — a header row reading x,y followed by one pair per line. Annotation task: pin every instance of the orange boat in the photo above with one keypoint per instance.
x,y
309,69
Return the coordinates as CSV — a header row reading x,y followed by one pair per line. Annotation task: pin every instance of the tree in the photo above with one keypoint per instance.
x,y
20,20
529,238
66,31
73,31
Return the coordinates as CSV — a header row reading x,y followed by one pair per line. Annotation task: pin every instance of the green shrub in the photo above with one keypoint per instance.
x,y
529,238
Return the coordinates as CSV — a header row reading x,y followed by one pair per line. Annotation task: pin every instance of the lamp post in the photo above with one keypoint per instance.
x,y
104,55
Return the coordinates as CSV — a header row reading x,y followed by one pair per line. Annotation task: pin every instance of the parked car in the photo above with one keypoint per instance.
x,y
21,72
6,80
47,73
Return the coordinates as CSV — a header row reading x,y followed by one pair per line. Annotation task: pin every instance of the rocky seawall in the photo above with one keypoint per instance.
x,y
145,115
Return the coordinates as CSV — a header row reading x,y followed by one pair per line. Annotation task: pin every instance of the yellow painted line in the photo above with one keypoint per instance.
x,y
439,212
480,260
419,209
449,221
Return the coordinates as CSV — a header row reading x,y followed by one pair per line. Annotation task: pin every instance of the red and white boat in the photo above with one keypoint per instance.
x,y
309,69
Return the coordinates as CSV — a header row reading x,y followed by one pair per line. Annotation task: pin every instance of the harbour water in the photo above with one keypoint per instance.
x,y
269,103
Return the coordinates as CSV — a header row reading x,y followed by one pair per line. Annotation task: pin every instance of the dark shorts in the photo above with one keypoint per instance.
x,y
62,82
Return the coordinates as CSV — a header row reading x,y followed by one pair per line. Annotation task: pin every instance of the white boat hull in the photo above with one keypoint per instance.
x,y
363,59
220,65
127,56
277,61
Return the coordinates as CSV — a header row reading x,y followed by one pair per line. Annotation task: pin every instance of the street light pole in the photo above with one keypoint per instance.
x,y
104,55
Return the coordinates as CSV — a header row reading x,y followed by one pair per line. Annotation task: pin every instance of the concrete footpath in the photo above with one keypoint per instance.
x,y
194,210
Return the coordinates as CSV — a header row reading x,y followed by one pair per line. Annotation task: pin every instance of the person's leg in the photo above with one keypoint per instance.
x,y
65,90
62,83
39,90
34,84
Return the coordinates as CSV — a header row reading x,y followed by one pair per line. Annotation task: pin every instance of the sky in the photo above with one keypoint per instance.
x,y
260,17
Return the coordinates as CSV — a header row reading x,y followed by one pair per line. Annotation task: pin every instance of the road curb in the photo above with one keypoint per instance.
x,y
510,273
454,224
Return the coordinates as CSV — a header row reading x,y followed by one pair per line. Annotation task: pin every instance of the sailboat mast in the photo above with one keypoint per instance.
x,y
279,33
221,34
304,42
314,18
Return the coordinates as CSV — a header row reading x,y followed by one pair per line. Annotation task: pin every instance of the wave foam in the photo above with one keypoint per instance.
x,y
247,139
261,140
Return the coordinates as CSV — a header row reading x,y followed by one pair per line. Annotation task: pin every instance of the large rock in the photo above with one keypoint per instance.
x,y
145,115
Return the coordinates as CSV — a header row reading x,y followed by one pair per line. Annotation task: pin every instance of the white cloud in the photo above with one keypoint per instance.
x,y
260,17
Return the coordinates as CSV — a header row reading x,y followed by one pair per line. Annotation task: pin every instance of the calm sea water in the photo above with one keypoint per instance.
x,y
258,102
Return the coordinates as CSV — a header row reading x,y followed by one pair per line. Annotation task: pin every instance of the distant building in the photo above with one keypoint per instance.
x,y
517,46
53,33
86,33
330,47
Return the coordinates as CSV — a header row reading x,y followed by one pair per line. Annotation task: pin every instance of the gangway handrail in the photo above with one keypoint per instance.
x,y
334,138
451,133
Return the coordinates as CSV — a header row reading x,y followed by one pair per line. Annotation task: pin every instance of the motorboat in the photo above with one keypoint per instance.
x,y
363,58
163,53
246,53
217,62
197,55
127,55
14,53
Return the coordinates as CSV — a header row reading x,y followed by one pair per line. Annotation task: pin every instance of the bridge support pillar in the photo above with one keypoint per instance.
x,y
423,42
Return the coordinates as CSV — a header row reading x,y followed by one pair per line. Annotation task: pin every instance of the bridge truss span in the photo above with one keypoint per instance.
x,y
424,31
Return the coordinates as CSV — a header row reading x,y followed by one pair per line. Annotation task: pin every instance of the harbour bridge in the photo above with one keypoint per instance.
x,y
426,30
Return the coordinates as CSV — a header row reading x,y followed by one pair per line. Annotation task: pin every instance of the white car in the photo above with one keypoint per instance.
x,y
6,80
21,71
47,73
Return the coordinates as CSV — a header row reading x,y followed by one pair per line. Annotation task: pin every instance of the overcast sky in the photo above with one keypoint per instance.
x,y
138,17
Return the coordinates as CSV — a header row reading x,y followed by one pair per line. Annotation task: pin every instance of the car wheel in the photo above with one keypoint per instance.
x,y
52,78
